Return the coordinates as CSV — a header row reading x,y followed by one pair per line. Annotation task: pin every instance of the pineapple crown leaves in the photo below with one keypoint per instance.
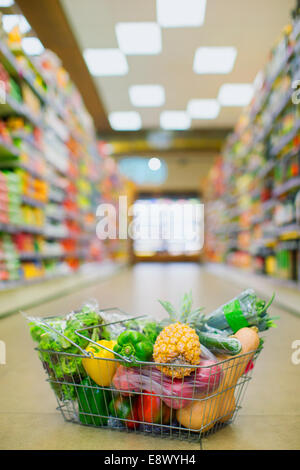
x,y
194,318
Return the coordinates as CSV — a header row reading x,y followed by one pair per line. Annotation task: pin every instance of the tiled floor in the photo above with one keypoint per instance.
x,y
269,419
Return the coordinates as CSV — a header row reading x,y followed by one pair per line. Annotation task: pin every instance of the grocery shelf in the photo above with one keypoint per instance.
x,y
32,202
270,158
50,139
269,204
293,183
285,140
9,148
269,83
16,69
42,256
289,229
11,228
5,285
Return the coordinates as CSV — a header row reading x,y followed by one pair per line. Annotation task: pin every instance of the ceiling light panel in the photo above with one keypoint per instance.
x,y
214,60
235,94
180,13
125,121
32,46
10,21
105,62
203,109
175,120
6,3
142,38
147,95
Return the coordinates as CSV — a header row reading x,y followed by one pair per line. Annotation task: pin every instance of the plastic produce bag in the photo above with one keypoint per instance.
x,y
176,393
244,310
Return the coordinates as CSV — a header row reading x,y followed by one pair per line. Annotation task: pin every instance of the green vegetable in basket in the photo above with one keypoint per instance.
x,y
134,345
93,403
125,408
242,311
57,342
219,343
151,330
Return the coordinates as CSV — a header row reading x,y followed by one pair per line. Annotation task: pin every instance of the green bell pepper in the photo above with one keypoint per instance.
x,y
134,345
93,402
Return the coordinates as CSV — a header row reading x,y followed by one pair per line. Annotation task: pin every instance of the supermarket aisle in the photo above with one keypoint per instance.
x,y
27,407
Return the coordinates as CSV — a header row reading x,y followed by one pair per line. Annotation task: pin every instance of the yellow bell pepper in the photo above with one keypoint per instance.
x,y
96,367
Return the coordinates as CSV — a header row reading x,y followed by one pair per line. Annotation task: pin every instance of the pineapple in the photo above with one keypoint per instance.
x,y
177,344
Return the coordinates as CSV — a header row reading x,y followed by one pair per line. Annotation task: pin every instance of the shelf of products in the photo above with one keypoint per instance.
x,y
51,169
253,190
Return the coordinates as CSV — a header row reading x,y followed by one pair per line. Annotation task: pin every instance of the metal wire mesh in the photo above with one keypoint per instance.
x,y
142,399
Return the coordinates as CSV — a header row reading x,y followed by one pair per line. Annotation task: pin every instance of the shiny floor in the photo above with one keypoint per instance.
x,y
269,419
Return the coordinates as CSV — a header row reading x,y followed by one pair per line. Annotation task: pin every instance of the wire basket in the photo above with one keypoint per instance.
x,y
141,398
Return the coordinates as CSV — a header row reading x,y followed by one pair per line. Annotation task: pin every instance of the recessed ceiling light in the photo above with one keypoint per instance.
x,y
6,3
235,94
214,59
10,21
180,13
203,109
147,95
154,164
139,38
32,46
125,121
105,62
176,120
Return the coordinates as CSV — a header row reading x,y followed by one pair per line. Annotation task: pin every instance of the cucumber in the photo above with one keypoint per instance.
x,y
220,343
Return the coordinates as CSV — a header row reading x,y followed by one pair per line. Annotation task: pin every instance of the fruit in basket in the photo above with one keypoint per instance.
x,y
152,410
204,412
125,409
134,346
178,345
92,403
99,369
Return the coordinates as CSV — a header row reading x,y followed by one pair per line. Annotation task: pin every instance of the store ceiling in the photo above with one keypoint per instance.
x,y
252,27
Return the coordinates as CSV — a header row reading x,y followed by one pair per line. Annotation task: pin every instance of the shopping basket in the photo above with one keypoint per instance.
x,y
150,402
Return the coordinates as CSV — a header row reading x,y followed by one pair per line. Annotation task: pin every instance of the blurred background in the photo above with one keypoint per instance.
x,y
172,104
182,119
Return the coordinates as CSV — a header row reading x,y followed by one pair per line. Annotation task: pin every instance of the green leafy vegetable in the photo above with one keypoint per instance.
x,y
55,336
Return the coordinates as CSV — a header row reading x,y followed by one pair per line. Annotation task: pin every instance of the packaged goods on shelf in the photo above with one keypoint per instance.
x,y
51,174
252,219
